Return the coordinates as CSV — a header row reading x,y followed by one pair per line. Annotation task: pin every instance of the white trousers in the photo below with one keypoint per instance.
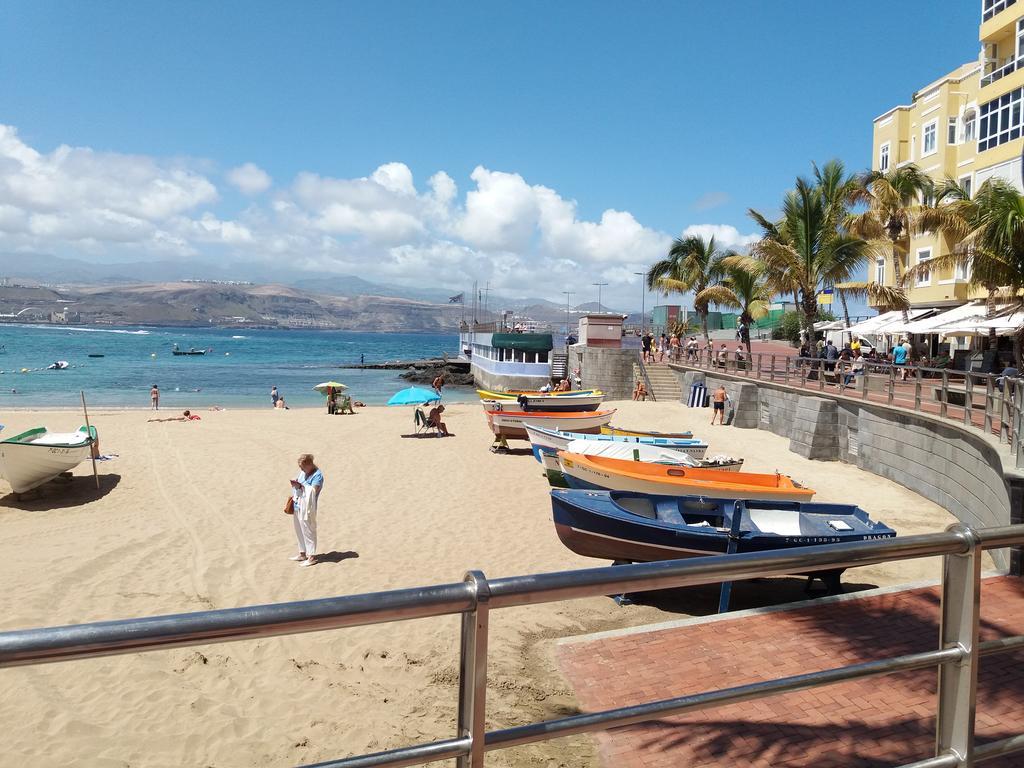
x,y
305,531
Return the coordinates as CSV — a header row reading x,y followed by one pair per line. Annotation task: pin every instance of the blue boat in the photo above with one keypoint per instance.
x,y
636,527
551,441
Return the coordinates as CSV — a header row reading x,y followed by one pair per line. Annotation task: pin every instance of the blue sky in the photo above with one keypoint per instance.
x,y
547,115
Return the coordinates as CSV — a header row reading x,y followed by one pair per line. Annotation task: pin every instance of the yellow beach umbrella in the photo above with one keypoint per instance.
x,y
323,387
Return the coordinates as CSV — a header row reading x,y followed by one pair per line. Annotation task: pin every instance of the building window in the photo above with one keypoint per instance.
x,y
924,277
880,271
966,184
970,123
928,138
951,132
1000,120
960,272
990,8
883,157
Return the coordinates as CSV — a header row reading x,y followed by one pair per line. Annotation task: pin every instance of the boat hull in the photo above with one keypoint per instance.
x,y
512,425
27,465
592,524
619,431
599,474
552,441
545,404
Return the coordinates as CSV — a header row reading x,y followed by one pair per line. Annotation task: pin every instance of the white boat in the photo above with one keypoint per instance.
x,y
513,425
546,403
552,441
634,452
35,457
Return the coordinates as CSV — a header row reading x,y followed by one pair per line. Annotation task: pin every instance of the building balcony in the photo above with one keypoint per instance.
x,y
997,16
997,70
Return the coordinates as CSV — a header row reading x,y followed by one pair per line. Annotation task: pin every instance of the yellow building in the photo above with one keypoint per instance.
x,y
966,125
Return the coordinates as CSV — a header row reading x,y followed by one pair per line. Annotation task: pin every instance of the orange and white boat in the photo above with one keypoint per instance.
x,y
602,473
512,424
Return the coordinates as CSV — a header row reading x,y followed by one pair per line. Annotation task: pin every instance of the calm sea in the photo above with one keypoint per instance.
x,y
240,370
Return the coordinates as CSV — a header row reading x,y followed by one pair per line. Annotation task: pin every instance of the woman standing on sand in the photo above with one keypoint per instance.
x,y
306,489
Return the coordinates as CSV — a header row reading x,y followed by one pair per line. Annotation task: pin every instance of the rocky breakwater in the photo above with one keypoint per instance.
x,y
455,372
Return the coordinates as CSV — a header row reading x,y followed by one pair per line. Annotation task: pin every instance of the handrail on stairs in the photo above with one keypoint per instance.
x,y
643,373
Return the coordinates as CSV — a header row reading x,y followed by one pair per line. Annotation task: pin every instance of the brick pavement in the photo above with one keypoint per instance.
x,y
882,721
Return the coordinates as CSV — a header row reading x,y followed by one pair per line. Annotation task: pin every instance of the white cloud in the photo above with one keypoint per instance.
x,y
726,235
522,238
249,178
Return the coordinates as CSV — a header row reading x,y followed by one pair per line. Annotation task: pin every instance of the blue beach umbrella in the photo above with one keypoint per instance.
x,y
414,396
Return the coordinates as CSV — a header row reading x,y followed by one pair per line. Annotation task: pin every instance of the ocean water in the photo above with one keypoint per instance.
x,y
240,371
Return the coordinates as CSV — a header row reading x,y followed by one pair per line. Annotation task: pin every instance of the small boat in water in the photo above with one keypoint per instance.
x,y
619,431
513,424
636,527
526,403
37,456
552,440
653,454
606,474
175,350
58,365
96,354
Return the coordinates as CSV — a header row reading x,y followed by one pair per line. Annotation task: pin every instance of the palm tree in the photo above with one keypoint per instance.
x,y
892,198
746,288
987,236
692,264
808,249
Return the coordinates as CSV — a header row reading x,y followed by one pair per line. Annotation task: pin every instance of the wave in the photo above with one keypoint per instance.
x,y
93,330
239,337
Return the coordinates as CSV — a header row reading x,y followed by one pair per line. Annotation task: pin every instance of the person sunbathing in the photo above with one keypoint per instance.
x,y
186,416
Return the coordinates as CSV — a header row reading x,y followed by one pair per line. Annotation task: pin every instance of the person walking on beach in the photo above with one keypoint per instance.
x,y
719,398
274,397
438,383
154,397
306,488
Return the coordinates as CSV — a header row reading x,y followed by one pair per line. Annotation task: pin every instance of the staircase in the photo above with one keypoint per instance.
x,y
664,385
559,365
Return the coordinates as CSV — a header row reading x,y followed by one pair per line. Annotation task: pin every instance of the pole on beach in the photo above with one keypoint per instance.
x,y
92,448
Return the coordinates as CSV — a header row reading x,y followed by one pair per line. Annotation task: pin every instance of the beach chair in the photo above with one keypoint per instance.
x,y
423,425
344,405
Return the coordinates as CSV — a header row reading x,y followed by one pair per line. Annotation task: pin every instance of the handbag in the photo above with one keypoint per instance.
x,y
289,506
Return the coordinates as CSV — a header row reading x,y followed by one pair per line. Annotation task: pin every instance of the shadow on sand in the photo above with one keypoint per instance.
x,y
62,494
337,557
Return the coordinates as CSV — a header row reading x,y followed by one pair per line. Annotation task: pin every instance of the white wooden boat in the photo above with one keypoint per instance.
x,y
513,425
545,403
633,452
35,457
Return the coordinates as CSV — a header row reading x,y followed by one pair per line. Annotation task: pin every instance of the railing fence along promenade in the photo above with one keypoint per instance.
x,y
980,400
957,655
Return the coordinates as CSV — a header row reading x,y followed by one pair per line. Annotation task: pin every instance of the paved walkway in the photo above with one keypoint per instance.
x,y
882,721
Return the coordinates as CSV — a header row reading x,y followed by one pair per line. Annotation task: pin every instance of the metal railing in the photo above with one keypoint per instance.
x,y
642,367
982,401
1001,70
957,655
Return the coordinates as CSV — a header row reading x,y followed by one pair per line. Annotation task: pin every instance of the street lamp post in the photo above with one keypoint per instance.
x,y
643,301
568,294
599,285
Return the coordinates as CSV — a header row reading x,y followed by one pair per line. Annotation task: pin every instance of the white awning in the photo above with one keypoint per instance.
x,y
1007,325
830,325
965,314
880,324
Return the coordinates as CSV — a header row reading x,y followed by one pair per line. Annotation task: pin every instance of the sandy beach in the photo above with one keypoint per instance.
x,y
189,517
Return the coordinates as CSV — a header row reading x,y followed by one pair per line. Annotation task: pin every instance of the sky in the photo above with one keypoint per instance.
x,y
533,146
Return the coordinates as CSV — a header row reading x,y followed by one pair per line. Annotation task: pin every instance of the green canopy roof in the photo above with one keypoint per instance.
x,y
524,342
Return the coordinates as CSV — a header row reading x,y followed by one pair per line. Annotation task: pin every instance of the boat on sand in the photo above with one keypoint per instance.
x,y
601,473
513,425
640,528
552,440
653,454
622,432
526,403
37,456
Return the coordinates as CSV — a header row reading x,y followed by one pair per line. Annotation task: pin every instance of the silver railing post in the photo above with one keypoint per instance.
x,y
968,397
944,395
864,381
989,402
892,384
771,375
958,680
473,673
917,390
1018,409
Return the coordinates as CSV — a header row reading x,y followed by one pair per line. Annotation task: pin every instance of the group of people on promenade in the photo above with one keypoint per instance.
x,y
656,349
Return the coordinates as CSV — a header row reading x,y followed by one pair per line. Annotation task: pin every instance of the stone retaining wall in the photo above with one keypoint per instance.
x,y
610,370
958,468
